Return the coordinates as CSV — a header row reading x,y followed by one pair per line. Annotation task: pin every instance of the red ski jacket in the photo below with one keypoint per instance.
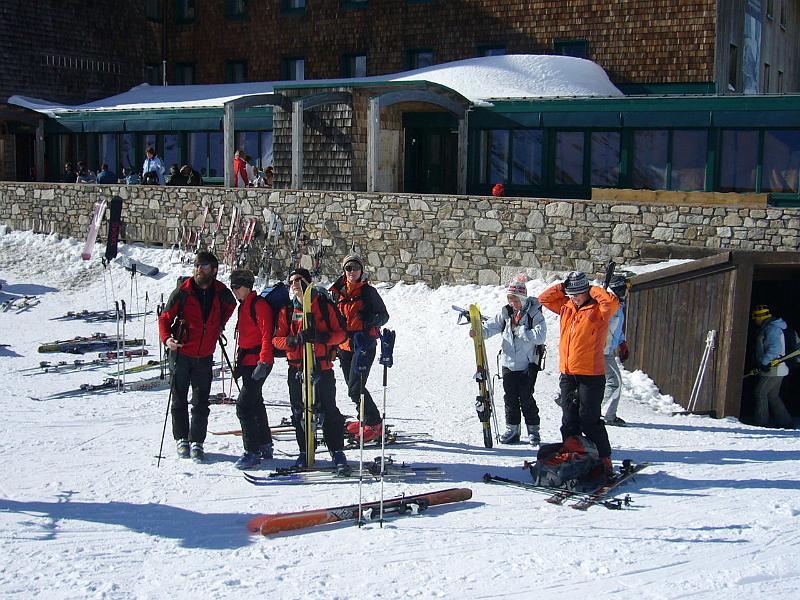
x,y
255,337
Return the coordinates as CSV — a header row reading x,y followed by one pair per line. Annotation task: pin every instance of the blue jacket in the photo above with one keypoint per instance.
x,y
519,343
771,345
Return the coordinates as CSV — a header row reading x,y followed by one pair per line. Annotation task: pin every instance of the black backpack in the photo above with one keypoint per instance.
x,y
277,297
573,465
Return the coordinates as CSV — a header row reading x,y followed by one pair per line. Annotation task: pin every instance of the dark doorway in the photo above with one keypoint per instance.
x,y
25,156
778,288
431,161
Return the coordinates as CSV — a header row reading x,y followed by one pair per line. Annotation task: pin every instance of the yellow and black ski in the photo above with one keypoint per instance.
x,y
484,402
309,361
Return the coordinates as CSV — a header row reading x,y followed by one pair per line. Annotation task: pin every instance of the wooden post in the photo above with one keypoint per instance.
x,y
228,143
297,144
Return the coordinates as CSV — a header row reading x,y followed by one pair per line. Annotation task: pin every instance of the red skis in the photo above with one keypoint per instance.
x,y
267,524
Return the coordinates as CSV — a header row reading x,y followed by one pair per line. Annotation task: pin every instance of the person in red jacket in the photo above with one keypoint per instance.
x,y
327,333
190,325
240,170
585,313
254,361
365,313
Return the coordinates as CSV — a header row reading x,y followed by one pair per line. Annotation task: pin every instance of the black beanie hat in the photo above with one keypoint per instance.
x,y
304,273
243,277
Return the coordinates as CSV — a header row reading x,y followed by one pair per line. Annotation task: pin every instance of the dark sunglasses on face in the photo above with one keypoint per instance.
x,y
350,268
204,266
294,280
235,286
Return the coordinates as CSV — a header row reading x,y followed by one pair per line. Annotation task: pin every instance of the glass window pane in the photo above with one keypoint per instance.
x,y
498,156
108,151
198,152
649,159
738,161
781,161
127,152
569,158
689,150
605,159
172,151
216,155
526,162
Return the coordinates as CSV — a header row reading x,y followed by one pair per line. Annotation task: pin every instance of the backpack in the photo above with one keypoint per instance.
x,y
541,349
277,297
574,465
792,344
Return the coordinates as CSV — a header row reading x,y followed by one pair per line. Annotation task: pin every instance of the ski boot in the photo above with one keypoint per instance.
x,y
182,447
248,460
616,422
196,453
511,436
534,439
265,451
340,460
301,461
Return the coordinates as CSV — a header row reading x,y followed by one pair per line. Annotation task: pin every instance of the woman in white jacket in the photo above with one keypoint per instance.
x,y
524,332
153,164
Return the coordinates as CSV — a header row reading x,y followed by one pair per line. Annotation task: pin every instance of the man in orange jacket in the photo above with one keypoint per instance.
x,y
254,361
585,313
326,334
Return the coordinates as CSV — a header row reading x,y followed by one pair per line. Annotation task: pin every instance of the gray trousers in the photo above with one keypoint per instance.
x,y
769,403
613,388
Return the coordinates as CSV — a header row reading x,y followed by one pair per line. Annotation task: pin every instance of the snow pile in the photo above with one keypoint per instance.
x,y
477,79
85,513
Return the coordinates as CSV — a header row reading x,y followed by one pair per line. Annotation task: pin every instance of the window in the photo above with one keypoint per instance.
x,y
688,160
216,154
569,158
733,68
781,161
354,3
152,74
419,59
780,82
494,156
491,50
766,78
605,156
184,11
290,6
152,10
108,151
184,74
576,48
738,161
171,150
770,8
294,69
649,159
127,152
197,154
236,9
236,71
354,65
266,149
526,158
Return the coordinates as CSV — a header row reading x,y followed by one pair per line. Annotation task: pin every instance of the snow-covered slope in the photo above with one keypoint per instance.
x,y
85,512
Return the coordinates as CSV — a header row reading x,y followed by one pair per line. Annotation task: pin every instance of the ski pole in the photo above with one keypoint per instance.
x,y
144,323
119,366
166,414
386,359
222,343
124,319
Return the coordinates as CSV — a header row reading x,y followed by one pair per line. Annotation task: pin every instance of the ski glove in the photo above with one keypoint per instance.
x,y
261,371
623,351
312,335
764,368
293,341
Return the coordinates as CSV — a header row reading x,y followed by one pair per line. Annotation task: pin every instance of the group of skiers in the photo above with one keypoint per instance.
x,y
592,339
345,324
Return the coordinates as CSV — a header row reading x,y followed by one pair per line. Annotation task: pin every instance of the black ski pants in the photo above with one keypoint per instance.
x,y
518,395
324,406
357,381
251,411
581,399
195,373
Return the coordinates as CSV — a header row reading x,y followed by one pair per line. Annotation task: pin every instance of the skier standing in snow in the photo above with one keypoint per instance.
x,y
326,334
769,345
254,361
523,330
616,346
190,325
365,313
585,313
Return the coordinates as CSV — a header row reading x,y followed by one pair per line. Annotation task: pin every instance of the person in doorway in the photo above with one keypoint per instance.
x,y
190,325
365,314
254,361
585,313
524,332
770,411
326,334
152,168
240,177
615,352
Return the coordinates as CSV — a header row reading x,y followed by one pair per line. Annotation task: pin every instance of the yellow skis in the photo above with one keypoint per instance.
x,y
309,360
484,401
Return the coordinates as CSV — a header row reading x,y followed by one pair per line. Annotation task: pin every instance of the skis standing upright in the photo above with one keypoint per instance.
x,y
309,375
484,403
94,227
114,227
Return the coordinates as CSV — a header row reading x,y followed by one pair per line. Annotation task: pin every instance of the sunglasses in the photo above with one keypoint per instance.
x,y
296,280
236,286
351,268
204,266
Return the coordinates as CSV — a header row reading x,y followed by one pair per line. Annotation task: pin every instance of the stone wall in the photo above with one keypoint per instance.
x,y
413,237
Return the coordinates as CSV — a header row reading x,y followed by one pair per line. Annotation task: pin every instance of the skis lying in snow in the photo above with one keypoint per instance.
x,y
372,470
584,500
20,304
96,316
84,345
404,505
110,384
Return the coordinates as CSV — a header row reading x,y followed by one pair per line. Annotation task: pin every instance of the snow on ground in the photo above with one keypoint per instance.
x,y
85,512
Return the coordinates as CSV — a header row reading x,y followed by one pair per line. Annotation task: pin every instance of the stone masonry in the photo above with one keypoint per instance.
x,y
413,237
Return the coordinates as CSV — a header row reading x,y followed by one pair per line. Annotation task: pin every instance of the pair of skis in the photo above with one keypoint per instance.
x,y
484,402
114,228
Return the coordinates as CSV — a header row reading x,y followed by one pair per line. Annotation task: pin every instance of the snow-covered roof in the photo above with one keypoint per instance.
x,y
478,79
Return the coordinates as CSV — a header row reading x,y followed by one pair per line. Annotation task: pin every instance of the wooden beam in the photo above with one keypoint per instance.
x,y
373,143
228,143
297,144
461,172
